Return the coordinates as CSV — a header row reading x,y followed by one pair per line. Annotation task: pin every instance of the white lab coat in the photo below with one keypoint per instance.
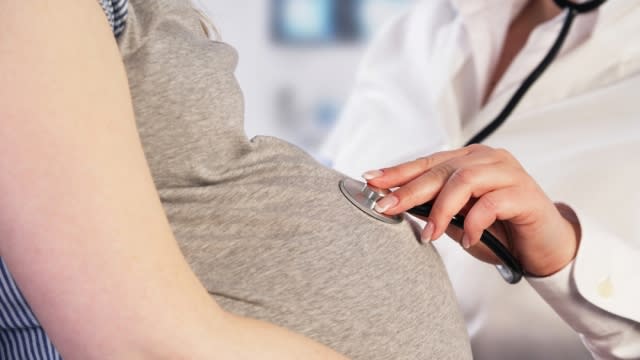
x,y
577,132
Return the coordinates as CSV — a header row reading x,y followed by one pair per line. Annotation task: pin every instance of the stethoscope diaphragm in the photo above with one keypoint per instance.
x,y
364,197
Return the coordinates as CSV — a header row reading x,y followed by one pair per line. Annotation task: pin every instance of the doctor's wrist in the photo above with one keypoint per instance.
x,y
565,244
572,218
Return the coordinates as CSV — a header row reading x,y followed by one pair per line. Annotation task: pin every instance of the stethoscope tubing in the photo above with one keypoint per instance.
x,y
579,8
527,83
515,270
512,270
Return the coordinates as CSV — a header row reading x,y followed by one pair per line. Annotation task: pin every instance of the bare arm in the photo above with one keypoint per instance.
x,y
81,225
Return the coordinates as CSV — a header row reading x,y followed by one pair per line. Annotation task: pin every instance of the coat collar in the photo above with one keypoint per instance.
x,y
602,60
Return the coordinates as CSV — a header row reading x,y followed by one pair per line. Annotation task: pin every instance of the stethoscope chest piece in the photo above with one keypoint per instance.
x,y
364,197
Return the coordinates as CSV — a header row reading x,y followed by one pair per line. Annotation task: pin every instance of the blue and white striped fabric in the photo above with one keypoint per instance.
x,y
21,336
116,11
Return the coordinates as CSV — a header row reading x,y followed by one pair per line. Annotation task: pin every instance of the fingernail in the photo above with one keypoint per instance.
x,y
386,203
427,233
466,243
373,174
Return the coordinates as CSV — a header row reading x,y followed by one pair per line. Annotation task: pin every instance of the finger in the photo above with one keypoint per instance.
x,y
416,192
425,187
402,174
480,251
455,233
467,183
503,204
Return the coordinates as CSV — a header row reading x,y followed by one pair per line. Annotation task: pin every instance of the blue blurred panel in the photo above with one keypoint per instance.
x,y
372,14
296,22
304,21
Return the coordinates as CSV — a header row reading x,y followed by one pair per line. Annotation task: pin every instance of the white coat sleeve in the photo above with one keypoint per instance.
x,y
598,294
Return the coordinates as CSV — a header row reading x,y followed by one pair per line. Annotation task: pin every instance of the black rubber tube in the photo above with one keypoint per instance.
x,y
527,83
515,271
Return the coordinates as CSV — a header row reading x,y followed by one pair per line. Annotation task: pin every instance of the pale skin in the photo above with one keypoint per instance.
x,y
81,225
489,186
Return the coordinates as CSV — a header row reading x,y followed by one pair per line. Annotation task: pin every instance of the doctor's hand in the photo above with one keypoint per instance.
x,y
494,192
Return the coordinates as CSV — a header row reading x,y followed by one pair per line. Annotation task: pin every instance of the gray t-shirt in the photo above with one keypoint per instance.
x,y
263,225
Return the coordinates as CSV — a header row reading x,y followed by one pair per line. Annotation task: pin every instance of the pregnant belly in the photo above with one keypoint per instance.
x,y
279,242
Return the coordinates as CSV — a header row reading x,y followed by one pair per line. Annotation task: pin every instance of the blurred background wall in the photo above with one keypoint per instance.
x,y
297,59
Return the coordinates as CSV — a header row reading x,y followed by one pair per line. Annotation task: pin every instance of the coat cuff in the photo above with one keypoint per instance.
x,y
597,294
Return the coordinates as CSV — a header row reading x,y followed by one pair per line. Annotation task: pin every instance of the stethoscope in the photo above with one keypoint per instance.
x,y
365,196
